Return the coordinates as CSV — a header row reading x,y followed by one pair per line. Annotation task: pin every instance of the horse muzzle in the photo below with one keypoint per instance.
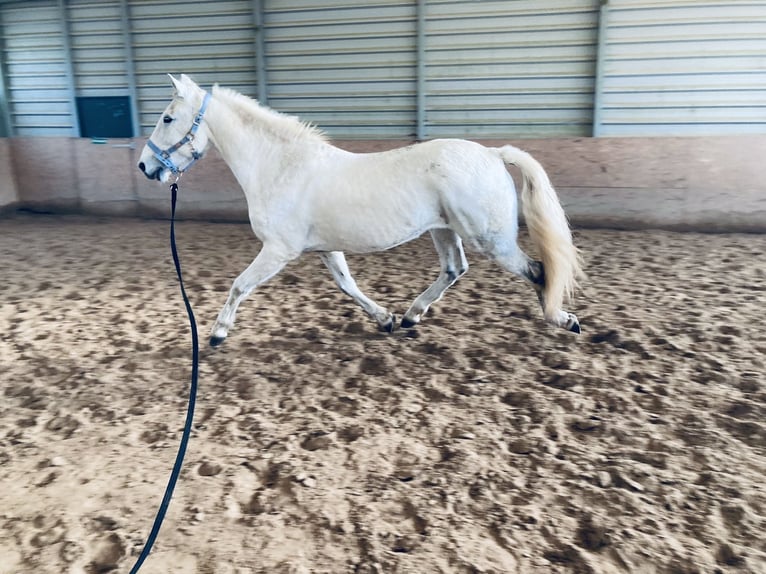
x,y
156,174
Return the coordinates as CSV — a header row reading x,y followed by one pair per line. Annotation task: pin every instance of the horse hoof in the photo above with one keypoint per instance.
x,y
390,325
407,323
216,341
575,327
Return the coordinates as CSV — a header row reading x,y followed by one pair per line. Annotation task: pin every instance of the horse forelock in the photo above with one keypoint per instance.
x,y
251,113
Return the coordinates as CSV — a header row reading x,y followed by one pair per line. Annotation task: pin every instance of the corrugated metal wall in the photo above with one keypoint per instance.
x,y
98,51
210,41
687,67
510,69
397,68
347,66
35,63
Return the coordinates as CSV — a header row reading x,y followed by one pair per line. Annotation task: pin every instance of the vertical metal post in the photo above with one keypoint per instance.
x,y
69,68
6,124
420,72
600,56
260,53
130,66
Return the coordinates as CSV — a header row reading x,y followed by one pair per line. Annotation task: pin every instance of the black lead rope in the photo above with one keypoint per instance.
x,y
192,395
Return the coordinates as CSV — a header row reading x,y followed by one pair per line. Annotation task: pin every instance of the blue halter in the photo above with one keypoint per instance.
x,y
163,155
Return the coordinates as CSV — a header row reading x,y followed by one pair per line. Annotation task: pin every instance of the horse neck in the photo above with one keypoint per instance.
x,y
252,143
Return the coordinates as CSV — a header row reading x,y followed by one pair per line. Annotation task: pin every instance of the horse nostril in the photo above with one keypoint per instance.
x,y
142,166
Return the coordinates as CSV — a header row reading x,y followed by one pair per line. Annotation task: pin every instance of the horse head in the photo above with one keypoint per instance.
x,y
180,137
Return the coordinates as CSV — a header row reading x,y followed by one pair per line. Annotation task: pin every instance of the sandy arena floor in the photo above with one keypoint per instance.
x,y
482,442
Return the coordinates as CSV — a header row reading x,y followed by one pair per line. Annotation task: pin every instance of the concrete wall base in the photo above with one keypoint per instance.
x,y
711,184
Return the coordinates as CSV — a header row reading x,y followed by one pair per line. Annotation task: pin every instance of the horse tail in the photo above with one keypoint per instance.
x,y
549,230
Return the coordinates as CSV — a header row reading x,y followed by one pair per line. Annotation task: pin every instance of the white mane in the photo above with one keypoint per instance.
x,y
251,113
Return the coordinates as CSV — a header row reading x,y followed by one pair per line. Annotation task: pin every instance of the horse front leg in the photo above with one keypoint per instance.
x,y
268,263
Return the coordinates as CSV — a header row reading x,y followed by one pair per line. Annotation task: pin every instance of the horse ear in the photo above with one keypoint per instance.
x,y
177,85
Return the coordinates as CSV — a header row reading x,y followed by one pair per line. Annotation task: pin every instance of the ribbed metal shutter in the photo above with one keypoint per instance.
x,y
347,66
98,49
35,58
510,69
684,68
211,41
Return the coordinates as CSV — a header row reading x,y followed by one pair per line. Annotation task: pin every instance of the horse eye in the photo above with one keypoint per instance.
x,y
167,119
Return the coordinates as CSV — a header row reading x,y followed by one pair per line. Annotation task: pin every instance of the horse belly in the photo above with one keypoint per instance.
x,y
367,222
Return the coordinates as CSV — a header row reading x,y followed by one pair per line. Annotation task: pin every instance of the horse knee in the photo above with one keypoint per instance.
x,y
237,291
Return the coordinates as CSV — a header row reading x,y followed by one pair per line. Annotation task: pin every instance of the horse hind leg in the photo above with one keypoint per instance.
x,y
535,274
449,246
532,271
336,263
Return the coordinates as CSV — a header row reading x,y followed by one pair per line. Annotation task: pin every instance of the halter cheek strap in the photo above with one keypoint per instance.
x,y
164,155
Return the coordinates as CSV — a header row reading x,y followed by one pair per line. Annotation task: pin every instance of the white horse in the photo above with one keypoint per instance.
x,y
305,195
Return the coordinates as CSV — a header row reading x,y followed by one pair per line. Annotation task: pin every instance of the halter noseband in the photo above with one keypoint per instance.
x,y
163,155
